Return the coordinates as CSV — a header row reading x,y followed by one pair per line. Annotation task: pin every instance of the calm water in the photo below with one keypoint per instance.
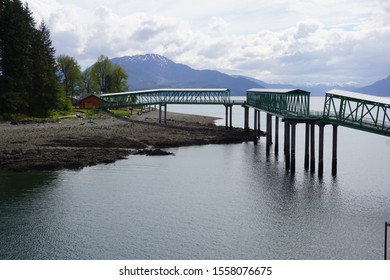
x,y
207,202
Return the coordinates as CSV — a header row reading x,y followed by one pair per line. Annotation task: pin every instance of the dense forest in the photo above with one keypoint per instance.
x,y
33,82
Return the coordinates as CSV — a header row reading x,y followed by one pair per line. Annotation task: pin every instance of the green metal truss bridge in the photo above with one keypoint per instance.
x,y
166,96
349,109
341,108
354,110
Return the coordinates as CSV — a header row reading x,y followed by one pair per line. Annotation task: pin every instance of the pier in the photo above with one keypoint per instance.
x,y
290,106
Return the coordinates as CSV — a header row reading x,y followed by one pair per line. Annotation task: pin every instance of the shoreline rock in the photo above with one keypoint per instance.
x,y
78,143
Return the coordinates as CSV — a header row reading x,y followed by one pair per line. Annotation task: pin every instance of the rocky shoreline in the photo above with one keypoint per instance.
x,y
78,142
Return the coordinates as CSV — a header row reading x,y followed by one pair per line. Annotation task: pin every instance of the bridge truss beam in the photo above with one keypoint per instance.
x,y
166,96
354,110
280,102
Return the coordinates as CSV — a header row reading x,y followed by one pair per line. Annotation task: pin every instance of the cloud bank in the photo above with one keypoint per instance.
x,y
283,41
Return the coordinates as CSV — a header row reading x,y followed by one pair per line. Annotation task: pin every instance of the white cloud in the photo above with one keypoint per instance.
x,y
278,41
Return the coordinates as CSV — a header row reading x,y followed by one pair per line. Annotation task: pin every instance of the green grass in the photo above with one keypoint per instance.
x,y
121,113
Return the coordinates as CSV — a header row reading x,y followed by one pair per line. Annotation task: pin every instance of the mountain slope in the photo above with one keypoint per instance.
x,y
154,71
379,88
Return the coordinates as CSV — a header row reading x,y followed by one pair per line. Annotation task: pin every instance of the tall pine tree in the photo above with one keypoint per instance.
x,y
44,94
28,84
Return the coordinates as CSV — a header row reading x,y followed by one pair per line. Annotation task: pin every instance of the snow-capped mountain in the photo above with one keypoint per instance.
x,y
154,71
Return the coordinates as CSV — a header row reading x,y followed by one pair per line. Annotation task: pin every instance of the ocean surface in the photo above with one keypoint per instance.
x,y
206,202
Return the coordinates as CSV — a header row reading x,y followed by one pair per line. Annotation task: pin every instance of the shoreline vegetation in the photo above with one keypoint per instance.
x,y
80,141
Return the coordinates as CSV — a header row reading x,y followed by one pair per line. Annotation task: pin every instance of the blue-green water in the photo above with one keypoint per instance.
x,y
206,202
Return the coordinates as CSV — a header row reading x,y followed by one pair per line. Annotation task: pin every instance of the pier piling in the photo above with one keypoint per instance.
x,y
334,151
321,151
307,142
293,138
276,136
312,149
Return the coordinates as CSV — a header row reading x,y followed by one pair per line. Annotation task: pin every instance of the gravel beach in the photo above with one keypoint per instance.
x,y
79,142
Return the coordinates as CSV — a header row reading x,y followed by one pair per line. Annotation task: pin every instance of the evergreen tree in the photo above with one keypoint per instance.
x,y
16,31
28,82
45,93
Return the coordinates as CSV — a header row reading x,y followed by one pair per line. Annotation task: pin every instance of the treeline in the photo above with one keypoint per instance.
x,y
33,81
101,77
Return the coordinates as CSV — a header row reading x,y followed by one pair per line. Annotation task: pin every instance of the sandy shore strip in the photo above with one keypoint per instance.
x,y
80,142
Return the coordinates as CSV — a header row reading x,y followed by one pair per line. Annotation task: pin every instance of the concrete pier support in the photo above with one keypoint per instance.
x,y
334,151
312,149
228,116
160,113
307,144
293,139
321,151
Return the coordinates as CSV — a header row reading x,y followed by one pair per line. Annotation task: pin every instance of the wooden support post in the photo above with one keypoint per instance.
x,y
276,136
307,137
287,131
312,149
293,138
334,151
321,151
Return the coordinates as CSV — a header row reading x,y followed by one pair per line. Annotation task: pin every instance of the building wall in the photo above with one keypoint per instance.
x,y
90,102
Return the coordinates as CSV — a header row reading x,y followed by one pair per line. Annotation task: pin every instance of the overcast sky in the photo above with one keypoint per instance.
x,y
342,41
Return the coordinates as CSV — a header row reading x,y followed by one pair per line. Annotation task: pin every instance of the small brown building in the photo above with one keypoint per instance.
x,y
91,101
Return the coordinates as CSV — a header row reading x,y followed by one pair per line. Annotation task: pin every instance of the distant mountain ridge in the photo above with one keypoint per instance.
x,y
152,71
380,88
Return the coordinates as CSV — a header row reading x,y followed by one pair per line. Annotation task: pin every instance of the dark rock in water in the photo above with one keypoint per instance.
x,y
154,152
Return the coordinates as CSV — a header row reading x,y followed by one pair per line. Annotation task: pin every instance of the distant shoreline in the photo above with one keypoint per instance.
x,y
78,143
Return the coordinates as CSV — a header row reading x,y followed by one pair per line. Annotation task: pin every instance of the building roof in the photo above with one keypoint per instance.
x,y
85,96
166,90
278,91
359,96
